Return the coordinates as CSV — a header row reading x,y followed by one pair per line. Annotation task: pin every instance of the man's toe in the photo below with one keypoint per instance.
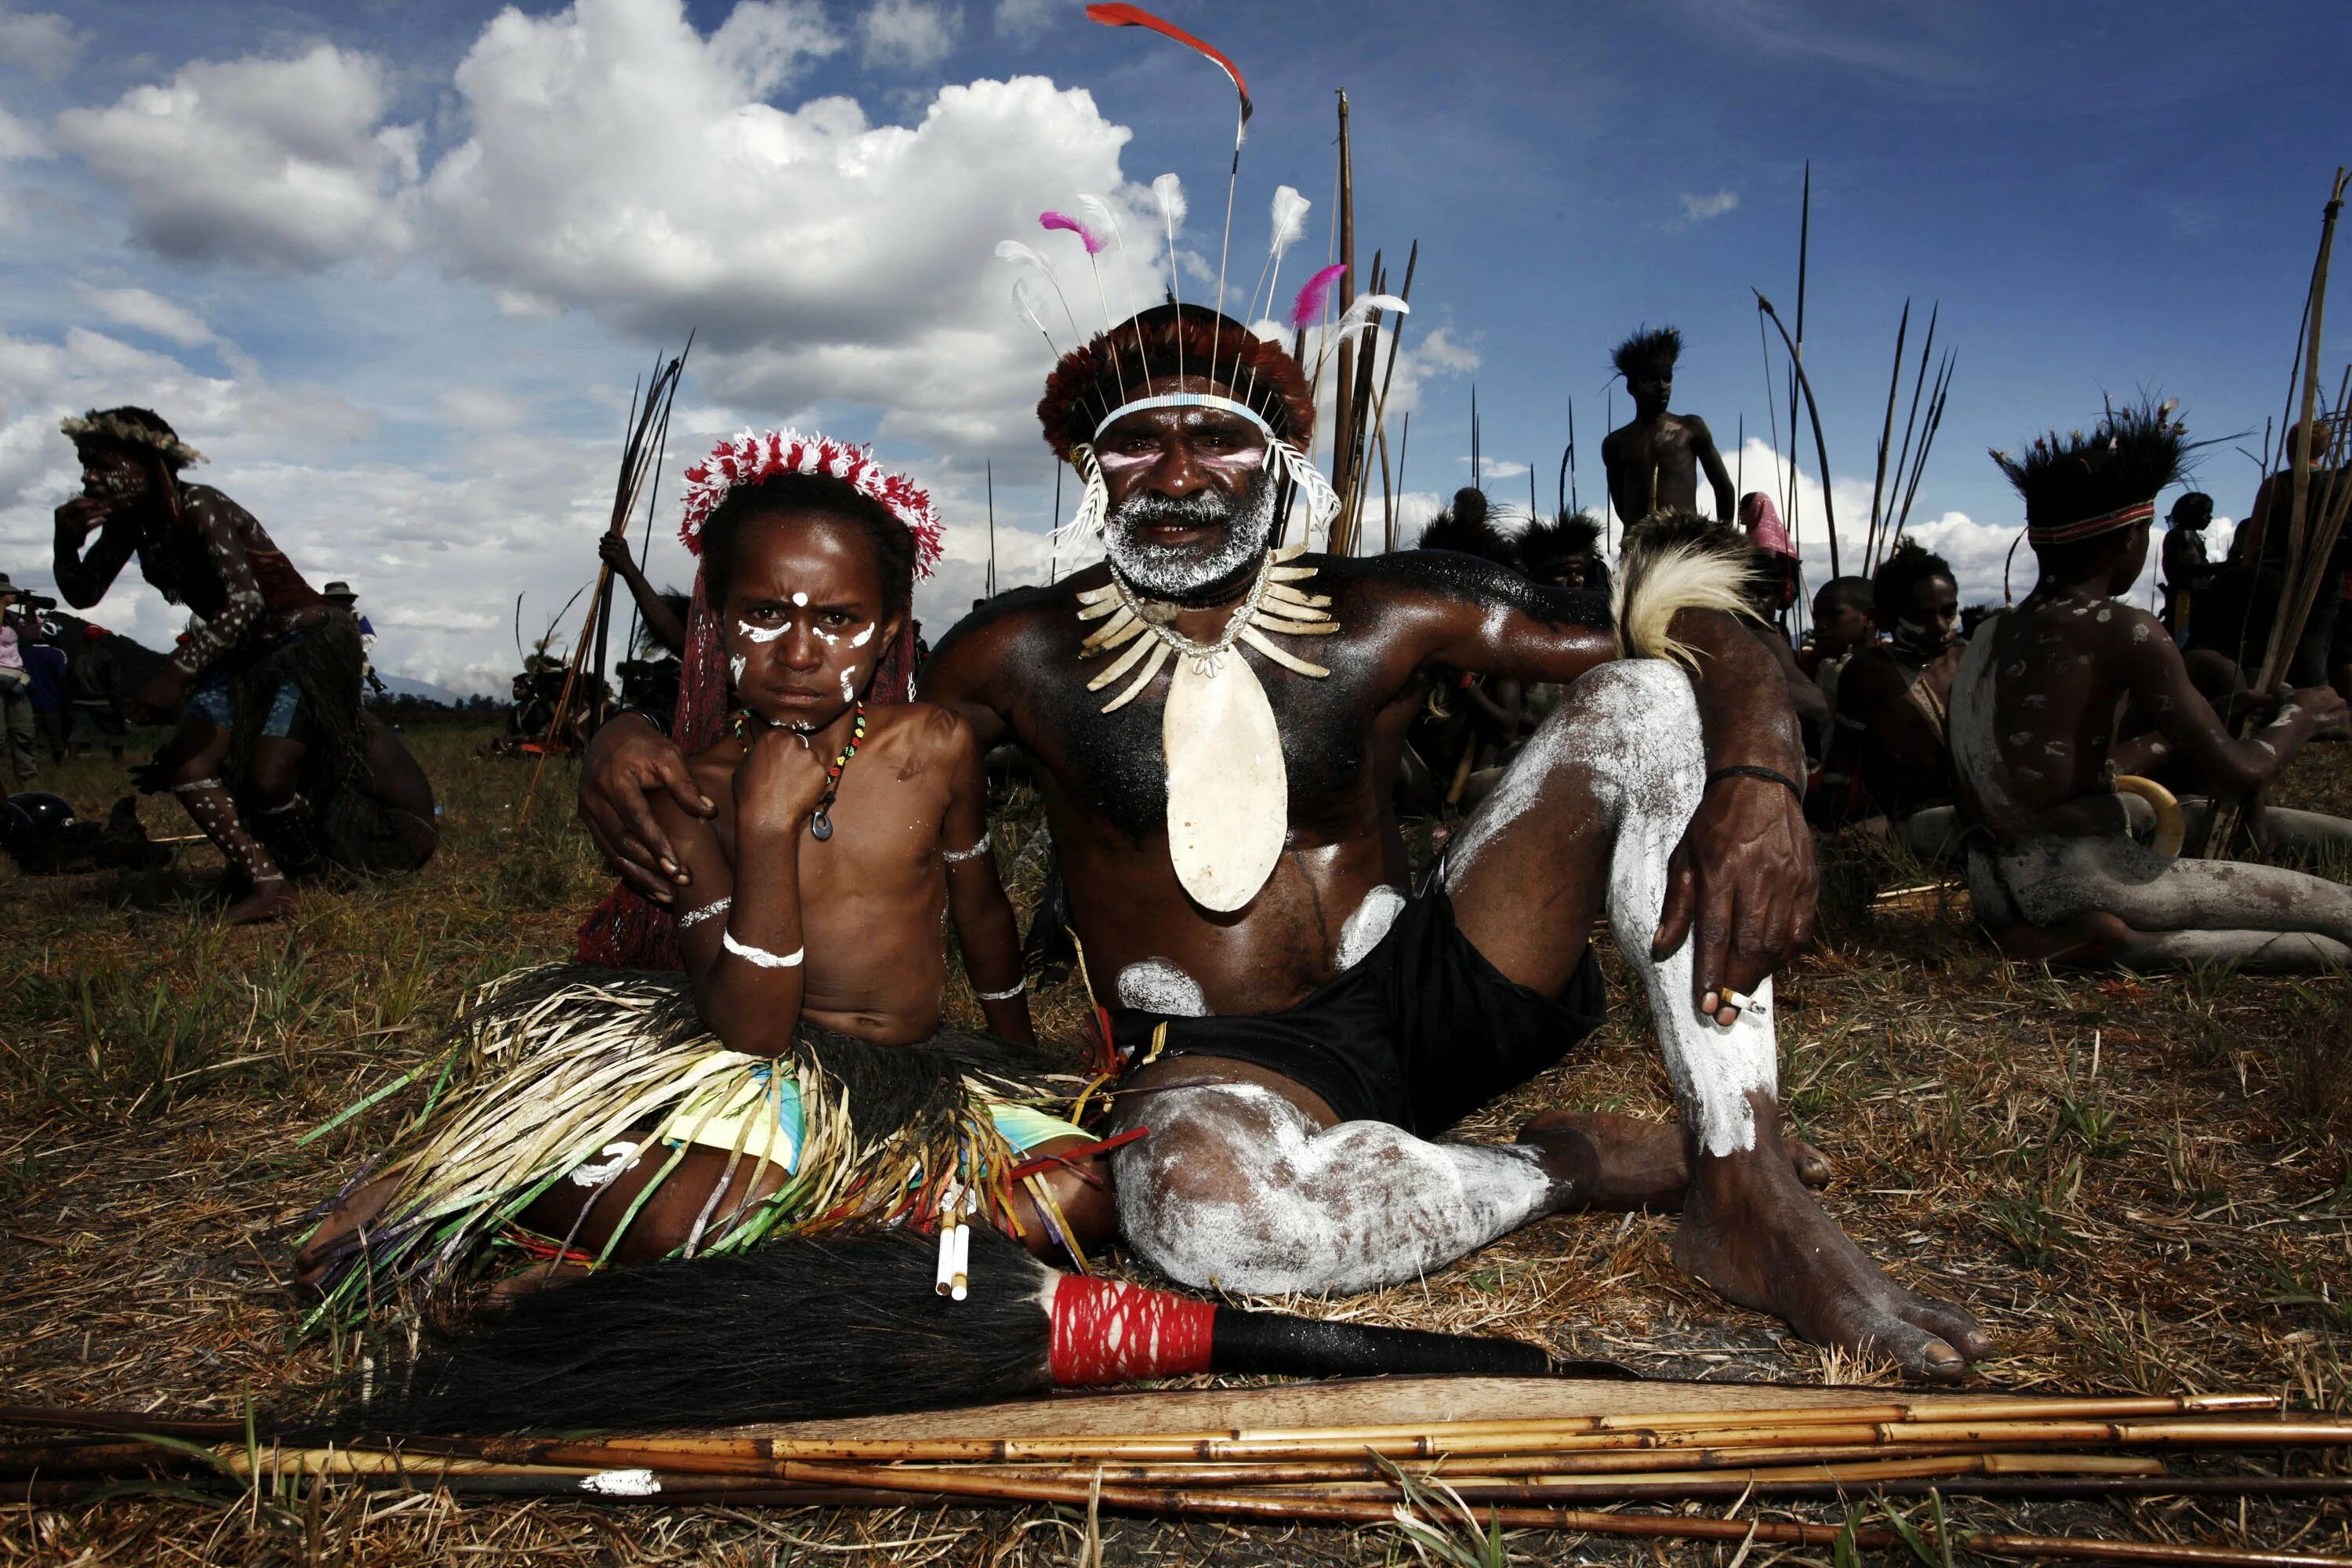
x,y
1811,1166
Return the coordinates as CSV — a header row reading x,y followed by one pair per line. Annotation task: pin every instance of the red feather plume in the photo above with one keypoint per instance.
x,y
1121,15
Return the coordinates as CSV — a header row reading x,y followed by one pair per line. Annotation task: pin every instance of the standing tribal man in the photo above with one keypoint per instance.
x,y
1654,460
1214,722
274,757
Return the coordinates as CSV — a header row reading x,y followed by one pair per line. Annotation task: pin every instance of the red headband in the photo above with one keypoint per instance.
x,y
747,458
2106,522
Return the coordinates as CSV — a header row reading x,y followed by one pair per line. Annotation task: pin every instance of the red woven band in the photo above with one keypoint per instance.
x,y
2066,533
1108,1331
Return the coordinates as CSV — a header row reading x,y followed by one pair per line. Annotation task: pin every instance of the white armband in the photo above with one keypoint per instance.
x,y
760,955
958,856
1018,986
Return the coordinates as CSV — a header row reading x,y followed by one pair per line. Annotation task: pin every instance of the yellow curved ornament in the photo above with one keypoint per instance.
x,y
2171,827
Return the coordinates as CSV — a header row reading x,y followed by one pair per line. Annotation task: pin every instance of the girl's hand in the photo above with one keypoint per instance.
x,y
779,781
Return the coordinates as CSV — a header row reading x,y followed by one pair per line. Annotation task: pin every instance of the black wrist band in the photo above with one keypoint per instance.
x,y
1746,770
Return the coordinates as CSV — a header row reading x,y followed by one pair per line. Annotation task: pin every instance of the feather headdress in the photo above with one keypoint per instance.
x,y
751,456
1649,355
1313,296
2077,486
132,428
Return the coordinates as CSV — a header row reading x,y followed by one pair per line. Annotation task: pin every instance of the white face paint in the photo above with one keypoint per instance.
x,y
763,634
864,636
849,683
1156,985
735,668
800,601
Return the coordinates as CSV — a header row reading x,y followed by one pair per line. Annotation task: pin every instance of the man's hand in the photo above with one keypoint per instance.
x,y
77,517
612,549
1743,876
2325,706
160,697
626,761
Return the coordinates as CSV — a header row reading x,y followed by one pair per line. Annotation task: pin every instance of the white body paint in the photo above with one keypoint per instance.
x,y
849,683
1156,985
864,634
617,1158
621,1483
1369,925
800,601
1353,1207
735,665
763,634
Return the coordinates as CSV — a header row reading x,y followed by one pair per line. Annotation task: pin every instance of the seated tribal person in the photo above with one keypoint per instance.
x,y
1212,722
1889,753
1655,458
274,757
2055,872
1776,558
1468,723
1845,620
1564,552
630,1118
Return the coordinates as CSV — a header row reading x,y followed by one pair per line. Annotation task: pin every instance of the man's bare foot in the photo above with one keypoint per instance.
x,y
267,902
1756,1235
1642,1164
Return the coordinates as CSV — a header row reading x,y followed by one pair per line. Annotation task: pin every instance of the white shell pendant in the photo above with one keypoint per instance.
x,y
1228,794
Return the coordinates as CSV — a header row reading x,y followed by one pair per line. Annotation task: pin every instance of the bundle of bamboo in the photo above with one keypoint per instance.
x,y
1532,1472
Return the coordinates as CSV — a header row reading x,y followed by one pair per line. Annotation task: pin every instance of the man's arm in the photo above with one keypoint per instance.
x,y
214,517
1727,505
613,550
962,674
84,578
986,928
2159,683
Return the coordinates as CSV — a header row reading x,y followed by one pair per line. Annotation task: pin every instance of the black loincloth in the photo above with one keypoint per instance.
x,y
1421,1033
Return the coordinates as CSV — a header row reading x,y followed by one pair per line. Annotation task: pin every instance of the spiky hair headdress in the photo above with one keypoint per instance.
x,y
748,457
1548,542
1467,529
132,426
1136,365
2079,486
1650,351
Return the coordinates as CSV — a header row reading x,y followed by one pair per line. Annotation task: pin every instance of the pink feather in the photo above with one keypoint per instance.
x,y
1313,297
1063,220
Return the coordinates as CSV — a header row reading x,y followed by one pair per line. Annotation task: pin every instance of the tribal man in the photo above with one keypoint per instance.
x,y
1889,752
2056,873
1212,722
274,757
1654,460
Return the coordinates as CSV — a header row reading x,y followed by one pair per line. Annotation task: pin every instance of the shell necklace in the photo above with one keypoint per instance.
x,y
1228,791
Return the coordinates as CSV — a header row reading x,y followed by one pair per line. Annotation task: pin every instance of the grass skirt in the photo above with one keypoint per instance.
x,y
551,1067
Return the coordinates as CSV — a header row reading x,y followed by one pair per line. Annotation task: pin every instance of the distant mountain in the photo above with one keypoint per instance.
x,y
402,686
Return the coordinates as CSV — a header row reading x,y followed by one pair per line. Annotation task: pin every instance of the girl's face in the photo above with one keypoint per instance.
x,y
804,622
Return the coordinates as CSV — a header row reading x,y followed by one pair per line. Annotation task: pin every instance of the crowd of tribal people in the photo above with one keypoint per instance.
x,y
1224,729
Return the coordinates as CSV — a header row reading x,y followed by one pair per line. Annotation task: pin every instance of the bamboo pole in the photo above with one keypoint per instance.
x,y
1343,383
1820,448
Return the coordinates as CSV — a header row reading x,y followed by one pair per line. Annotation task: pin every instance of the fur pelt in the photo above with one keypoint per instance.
x,y
1548,542
1087,383
1676,561
1650,353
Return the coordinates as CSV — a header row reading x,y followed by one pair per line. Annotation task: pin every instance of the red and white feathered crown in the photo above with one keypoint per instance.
x,y
748,457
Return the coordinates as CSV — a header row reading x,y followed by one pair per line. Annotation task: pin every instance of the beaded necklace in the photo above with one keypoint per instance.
x,y
820,820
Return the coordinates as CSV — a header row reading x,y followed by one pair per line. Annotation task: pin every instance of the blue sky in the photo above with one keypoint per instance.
x,y
393,265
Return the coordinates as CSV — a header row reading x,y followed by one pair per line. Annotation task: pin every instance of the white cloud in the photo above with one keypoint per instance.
x,y
18,140
273,162
1024,19
1698,209
480,408
148,312
910,34
1491,469
41,42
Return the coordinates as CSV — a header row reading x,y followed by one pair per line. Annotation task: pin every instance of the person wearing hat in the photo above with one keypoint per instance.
x,y
344,598
16,724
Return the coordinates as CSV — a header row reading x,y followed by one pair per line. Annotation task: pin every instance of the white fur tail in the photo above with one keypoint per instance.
x,y
1674,562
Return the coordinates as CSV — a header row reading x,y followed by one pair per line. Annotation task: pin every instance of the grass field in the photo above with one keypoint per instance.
x,y
2139,1184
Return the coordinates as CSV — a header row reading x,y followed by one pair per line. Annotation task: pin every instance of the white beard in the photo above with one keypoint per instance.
x,y
1162,572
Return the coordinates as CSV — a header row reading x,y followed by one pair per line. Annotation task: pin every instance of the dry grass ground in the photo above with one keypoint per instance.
x,y
2139,1184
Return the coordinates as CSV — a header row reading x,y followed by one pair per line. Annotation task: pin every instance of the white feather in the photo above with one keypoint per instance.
x,y
1359,314
1170,191
1289,215
1654,583
1025,302
1106,220
1015,251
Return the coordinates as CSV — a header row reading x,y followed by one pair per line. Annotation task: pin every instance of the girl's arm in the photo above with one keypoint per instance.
x,y
740,921
984,924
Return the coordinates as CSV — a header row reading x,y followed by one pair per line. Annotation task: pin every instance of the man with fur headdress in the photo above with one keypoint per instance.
x,y
1564,552
1212,720
2055,872
1654,460
1468,722
274,757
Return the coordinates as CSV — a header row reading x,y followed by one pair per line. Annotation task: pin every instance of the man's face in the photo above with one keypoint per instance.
x,y
1933,623
110,474
1651,391
2193,514
1841,625
1192,497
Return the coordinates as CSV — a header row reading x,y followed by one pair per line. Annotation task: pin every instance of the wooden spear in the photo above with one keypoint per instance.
x,y
1886,439
1820,447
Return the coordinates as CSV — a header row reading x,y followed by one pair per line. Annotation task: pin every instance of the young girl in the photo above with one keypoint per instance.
x,y
844,834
